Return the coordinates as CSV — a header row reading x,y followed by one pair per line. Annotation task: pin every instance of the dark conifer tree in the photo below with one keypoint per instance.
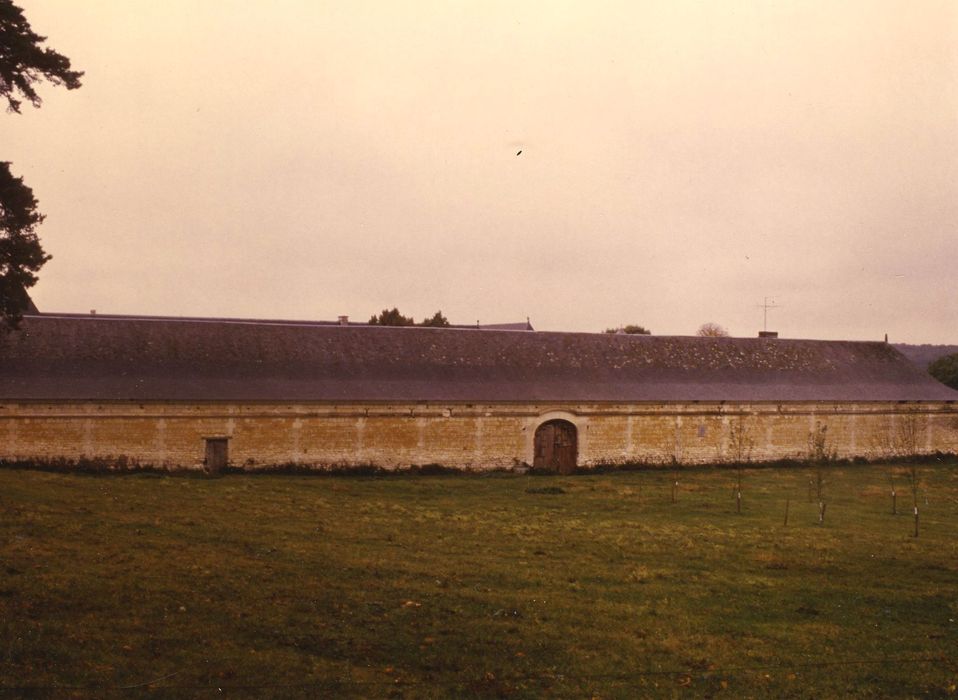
x,y
23,63
21,254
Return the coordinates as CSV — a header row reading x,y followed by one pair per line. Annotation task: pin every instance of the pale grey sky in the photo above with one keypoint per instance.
x,y
680,161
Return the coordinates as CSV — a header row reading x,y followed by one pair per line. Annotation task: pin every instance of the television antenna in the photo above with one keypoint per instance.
x,y
765,306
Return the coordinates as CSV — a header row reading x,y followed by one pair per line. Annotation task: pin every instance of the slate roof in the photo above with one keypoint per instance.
x,y
142,359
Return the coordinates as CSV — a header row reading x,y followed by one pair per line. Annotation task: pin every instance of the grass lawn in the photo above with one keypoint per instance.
x,y
467,586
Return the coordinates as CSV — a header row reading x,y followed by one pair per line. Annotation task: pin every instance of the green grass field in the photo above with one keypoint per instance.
x,y
467,586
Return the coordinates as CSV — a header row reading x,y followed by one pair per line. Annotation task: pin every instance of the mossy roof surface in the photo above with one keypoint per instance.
x,y
79,357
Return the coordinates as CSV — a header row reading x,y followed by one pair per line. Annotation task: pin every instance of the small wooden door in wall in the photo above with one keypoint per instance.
x,y
217,454
555,447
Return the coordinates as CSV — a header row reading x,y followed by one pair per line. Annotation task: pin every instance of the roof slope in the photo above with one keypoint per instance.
x,y
101,358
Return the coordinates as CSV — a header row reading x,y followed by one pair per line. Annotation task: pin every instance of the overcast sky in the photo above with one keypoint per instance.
x,y
680,162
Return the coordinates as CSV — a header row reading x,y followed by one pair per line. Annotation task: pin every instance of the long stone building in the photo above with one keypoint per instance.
x,y
189,393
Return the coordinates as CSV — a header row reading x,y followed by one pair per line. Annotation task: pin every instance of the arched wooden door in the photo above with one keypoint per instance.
x,y
556,447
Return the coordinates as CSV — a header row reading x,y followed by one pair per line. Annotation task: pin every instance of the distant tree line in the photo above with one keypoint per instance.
x,y
712,330
630,330
945,370
393,317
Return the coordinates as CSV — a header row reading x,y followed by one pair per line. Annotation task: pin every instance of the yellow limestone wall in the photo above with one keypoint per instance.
x,y
468,436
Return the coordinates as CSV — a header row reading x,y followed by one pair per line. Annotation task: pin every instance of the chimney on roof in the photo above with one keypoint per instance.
x,y
768,334
344,320
93,312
